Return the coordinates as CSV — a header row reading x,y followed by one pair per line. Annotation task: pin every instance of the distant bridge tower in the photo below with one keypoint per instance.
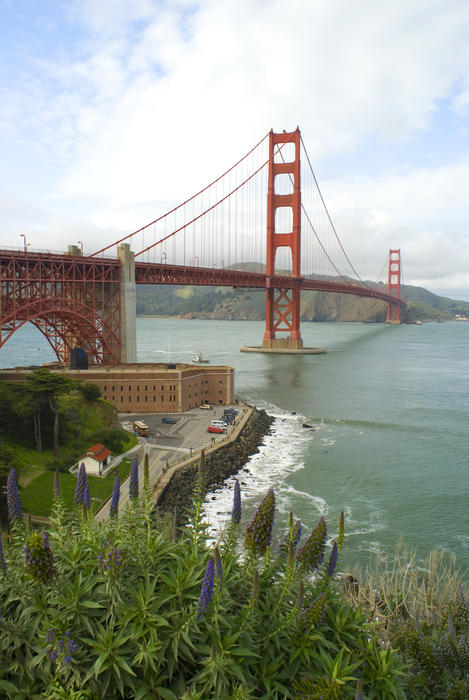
x,y
394,285
283,304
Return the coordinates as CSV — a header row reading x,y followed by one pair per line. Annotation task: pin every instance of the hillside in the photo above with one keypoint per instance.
x,y
236,304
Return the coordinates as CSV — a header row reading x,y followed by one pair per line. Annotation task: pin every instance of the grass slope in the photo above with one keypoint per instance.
x,y
37,497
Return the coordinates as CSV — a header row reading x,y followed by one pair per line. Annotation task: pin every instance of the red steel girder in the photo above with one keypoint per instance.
x,y
162,273
71,299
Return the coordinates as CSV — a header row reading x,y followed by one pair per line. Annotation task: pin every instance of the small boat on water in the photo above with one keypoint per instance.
x,y
199,359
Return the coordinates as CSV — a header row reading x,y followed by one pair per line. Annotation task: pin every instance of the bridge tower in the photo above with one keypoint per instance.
x,y
394,285
283,304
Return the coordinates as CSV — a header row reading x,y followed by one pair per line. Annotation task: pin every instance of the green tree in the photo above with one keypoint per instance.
x,y
90,392
18,412
47,387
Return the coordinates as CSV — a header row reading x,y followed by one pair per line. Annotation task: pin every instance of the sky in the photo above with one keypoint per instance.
x,y
113,110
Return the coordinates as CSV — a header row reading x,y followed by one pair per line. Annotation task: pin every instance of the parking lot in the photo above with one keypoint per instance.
x,y
189,430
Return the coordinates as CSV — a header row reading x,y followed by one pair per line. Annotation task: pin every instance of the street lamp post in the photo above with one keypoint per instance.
x,y
24,241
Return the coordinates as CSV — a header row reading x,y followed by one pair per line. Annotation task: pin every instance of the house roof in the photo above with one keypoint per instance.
x,y
98,452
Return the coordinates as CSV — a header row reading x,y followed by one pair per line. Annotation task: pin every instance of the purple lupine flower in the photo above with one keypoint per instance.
x,y
259,530
60,648
463,651
207,588
81,484
341,534
296,530
236,511
56,484
218,567
332,559
13,499
445,650
460,608
111,559
116,491
133,480
38,557
311,554
359,693
3,564
310,617
86,498
301,595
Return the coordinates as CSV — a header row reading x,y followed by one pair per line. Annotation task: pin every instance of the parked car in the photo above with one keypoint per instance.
x,y
206,406
169,421
215,429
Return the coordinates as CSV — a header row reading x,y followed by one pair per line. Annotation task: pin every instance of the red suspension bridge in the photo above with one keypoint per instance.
x,y
262,224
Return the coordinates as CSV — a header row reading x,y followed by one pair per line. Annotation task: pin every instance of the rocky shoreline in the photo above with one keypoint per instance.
x,y
219,465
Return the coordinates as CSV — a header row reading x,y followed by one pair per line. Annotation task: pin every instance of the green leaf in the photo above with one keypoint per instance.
x,y
166,694
6,685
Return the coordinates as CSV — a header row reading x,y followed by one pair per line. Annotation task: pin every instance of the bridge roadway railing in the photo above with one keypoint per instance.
x,y
163,273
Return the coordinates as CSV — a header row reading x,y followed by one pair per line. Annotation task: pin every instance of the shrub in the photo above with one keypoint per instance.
x,y
90,392
131,612
115,439
421,610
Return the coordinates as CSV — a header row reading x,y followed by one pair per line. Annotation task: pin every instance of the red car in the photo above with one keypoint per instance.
x,y
215,429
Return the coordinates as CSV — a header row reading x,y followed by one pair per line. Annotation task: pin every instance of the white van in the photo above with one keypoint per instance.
x,y
219,424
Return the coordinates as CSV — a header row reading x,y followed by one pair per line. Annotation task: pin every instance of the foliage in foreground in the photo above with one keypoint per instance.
x,y
423,612
122,610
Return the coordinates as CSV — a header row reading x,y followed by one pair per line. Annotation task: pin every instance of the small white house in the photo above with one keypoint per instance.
x,y
96,459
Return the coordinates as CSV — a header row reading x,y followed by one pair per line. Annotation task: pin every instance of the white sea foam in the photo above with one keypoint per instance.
x,y
370,520
281,453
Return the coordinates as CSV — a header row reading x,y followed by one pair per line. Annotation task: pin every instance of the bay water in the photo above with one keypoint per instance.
x,y
389,410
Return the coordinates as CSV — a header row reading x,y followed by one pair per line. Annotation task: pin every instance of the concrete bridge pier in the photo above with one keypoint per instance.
x,y
128,304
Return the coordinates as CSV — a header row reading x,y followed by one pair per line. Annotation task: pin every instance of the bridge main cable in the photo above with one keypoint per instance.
x,y
330,220
168,213
199,216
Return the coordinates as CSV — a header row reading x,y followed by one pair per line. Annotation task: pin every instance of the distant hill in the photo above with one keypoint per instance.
x,y
228,303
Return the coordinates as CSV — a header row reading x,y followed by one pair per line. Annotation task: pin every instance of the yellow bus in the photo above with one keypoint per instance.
x,y
140,428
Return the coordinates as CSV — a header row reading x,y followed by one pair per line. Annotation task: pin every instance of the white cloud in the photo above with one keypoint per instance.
x,y
424,212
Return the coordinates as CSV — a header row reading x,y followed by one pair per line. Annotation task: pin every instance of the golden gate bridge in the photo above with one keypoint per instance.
x,y
261,224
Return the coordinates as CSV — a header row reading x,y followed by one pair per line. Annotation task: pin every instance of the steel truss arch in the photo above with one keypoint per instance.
x,y
65,323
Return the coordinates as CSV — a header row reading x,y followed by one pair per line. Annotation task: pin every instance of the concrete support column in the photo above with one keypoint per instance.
x,y
128,304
